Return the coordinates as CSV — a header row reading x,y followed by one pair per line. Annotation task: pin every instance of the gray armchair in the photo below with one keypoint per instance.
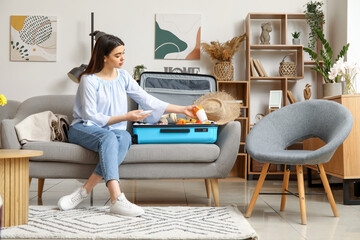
x,y
268,140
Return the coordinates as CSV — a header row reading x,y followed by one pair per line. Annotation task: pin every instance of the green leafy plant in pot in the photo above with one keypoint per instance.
x,y
138,69
296,39
315,19
324,61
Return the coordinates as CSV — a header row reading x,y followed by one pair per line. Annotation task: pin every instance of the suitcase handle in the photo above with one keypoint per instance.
x,y
184,130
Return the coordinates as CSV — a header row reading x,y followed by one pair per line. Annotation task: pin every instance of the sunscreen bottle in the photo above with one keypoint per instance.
x,y
200,113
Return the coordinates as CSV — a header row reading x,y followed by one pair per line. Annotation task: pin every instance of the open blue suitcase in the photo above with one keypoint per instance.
x,y
180,89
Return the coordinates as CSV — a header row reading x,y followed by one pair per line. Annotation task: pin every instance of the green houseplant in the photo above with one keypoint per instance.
x,y
138,69
315,19
324,60
296,39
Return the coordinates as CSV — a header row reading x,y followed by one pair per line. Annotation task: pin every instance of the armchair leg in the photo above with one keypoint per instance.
x,y
215,190
284,188
328,190
257,189
208,188
40,187
300,178
30,181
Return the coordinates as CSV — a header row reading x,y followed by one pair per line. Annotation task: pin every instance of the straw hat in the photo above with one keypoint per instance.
x,y
219,107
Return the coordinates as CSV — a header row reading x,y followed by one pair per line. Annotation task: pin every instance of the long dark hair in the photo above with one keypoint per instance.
x,y
103,47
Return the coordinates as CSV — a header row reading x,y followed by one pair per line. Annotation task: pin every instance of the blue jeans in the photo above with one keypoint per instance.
x,y
112,146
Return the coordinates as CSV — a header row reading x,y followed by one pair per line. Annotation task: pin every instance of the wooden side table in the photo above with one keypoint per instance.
x,y
345,163
14,185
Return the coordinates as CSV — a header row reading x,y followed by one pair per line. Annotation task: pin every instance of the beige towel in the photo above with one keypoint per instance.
x,y
41,127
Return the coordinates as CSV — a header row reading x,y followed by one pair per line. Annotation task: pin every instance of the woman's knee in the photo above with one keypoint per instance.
x,y
124,137
109,137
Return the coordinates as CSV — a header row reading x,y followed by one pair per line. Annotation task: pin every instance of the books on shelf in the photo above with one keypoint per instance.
x,y
255,64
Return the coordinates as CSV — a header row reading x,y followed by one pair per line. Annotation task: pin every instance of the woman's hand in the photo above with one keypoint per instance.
x,y
188,111
135,116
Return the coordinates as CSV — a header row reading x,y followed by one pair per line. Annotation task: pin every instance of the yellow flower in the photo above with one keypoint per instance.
x,y
3,100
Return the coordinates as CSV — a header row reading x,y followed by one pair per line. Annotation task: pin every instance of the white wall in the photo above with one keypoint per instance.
x,y
353,35
133,21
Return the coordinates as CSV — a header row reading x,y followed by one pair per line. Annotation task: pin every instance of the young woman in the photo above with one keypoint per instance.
x,y
100,116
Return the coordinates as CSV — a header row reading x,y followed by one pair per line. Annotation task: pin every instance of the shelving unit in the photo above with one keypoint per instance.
x,y
240,91
281,46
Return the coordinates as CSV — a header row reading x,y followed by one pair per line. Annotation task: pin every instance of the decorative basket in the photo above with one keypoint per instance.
x,y
224,71
287,69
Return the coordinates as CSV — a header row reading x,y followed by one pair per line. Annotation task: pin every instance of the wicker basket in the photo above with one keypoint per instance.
x,y
287,69
224,71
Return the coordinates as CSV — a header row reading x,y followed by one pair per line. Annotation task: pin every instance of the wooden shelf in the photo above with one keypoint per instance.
x,y
276,47
276,78
271,50
240,91
232,82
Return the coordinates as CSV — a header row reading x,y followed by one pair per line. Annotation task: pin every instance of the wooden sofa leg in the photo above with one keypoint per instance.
x,y
30,181
208,188
300,179
328,190
215,190
284,188
40,187
257,189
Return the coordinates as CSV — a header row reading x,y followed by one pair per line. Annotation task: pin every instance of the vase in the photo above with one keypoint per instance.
x,y
349,87
224,71
332,89
296,41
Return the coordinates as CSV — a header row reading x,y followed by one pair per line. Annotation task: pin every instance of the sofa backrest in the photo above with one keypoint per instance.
x,y
58,104
8,111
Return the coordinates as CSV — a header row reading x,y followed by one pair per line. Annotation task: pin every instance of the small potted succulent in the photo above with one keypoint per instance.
x,y
296,39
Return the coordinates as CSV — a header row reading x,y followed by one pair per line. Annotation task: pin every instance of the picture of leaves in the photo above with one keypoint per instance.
x,y
177,36
33,38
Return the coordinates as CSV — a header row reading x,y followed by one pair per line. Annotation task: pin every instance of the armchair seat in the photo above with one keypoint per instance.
x,y
291,157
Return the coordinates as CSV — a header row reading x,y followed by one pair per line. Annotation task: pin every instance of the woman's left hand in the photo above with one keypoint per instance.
x,y
188,111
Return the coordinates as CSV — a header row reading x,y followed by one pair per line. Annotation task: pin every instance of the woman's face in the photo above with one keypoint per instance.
x,y
116,57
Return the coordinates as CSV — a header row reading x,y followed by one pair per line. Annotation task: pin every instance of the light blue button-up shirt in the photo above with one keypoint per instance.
x,y
97,100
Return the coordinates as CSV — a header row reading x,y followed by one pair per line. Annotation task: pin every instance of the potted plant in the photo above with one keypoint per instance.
x,y
315,19
296,39
138,69
324,63
223,53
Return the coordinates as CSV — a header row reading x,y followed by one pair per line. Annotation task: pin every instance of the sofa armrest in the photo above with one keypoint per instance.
x,y
9,137
228,141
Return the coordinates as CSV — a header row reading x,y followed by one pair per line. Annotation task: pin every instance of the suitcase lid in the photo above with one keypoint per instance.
x,y
177,88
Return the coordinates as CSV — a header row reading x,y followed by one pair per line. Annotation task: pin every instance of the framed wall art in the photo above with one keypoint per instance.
x,y
33,38
177,36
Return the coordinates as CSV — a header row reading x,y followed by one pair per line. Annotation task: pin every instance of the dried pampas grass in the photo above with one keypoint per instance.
x,y
223,51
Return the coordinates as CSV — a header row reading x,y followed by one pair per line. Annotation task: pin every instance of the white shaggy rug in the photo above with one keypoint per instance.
x,y
46,222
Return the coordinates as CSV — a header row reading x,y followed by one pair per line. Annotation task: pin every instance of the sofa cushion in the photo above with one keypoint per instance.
x,y
146,153
138,153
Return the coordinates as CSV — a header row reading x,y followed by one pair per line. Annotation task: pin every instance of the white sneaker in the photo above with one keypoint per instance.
x,y
72,200
124,207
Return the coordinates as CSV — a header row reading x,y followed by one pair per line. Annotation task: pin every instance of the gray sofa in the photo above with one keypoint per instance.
x,y
143,161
